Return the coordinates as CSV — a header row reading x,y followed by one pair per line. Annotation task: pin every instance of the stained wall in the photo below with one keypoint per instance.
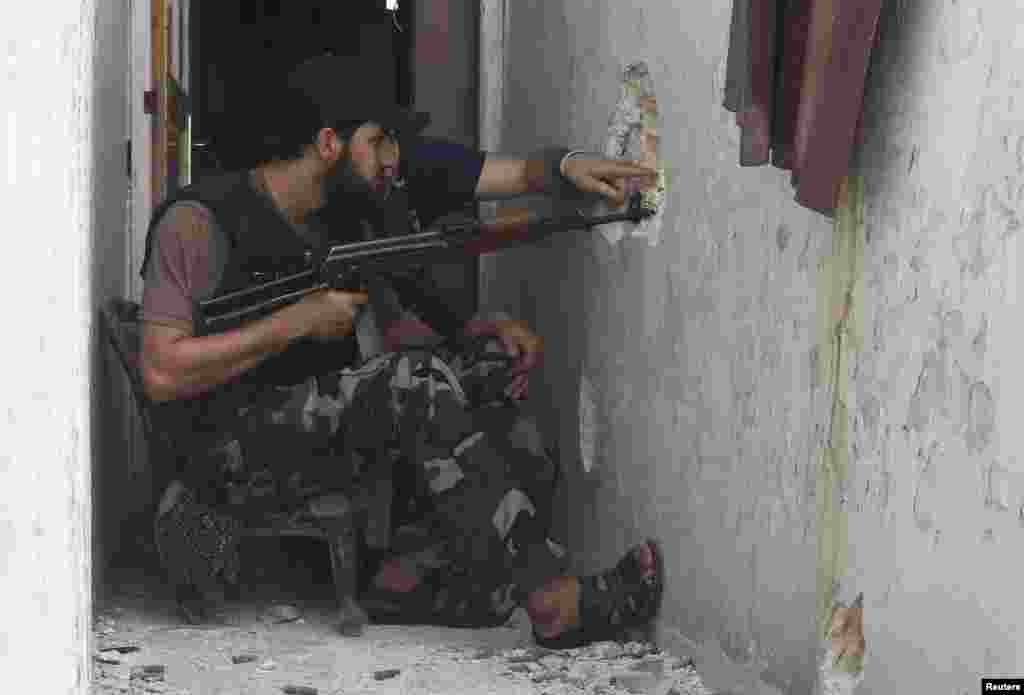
x,y
801,409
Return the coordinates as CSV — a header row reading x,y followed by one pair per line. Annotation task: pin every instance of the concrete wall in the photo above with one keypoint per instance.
x,y
769,457
53,226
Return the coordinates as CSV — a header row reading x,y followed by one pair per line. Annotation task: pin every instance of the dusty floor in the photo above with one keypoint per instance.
x,y
142,646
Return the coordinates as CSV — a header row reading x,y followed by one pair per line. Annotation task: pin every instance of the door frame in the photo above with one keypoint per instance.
x,y
145,128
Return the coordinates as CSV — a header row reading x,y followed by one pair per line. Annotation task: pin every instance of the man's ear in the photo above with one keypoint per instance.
x,y
329,145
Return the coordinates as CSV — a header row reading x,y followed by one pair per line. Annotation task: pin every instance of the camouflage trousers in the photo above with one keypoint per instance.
x,y
478,458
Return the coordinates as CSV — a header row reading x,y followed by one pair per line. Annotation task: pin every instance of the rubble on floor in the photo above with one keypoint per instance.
x,y
281,637
605,668
245,654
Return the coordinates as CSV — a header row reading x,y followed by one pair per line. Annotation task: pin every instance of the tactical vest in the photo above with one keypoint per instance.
x,y
261,245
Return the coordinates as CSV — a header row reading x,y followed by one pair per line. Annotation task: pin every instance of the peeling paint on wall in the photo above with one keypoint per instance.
x,y
942,155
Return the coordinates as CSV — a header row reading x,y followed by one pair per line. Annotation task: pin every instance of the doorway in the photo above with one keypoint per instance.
x,y
221,53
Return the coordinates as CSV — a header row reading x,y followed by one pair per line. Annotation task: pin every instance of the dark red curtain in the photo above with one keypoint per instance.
x,y
795,80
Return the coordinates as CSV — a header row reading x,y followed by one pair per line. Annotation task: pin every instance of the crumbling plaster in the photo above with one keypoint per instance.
x,y
775,391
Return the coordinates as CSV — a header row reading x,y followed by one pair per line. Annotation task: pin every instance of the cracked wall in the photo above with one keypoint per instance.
x,y
801,410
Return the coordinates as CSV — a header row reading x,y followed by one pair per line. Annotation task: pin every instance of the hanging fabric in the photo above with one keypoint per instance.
x,y
795,80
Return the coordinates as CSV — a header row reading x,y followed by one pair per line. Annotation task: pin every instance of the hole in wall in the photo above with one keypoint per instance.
x,y
633,135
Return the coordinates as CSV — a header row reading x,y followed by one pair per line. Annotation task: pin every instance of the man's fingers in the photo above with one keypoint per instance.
x,y
530,359
511,347
352,297
524,363
623,170
517,388
594,185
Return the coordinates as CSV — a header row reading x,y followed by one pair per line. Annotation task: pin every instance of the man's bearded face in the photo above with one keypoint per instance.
x,y
343,181
365,171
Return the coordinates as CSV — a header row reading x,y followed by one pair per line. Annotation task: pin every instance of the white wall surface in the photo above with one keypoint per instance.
x,y
706,359
47,196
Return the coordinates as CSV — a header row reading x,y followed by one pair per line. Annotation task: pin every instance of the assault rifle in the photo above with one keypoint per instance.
x,y
353,266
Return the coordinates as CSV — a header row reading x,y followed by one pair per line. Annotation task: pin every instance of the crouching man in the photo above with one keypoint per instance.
x,y
351,152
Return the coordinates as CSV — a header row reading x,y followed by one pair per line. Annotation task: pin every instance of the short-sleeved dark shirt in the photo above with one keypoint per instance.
x,y
189,254
441,175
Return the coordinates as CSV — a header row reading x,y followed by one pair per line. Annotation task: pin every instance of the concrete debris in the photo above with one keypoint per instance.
x,y
639,682
153,672
652,666
120,649
281,614
605,667
530,655
250,655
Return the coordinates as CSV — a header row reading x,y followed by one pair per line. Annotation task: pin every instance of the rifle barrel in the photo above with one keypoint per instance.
x,y
472,238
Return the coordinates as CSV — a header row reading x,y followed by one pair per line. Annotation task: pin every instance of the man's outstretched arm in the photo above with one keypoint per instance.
x,y
550,169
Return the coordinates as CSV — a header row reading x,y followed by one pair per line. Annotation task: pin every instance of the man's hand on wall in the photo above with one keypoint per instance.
x,y
613,179
519,342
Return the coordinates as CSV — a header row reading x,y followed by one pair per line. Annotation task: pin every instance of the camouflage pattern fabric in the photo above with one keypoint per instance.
x,y
482,462
198,545
442,415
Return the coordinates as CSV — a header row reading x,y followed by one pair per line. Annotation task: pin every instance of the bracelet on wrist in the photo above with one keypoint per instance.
x,y
570,155
555,182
